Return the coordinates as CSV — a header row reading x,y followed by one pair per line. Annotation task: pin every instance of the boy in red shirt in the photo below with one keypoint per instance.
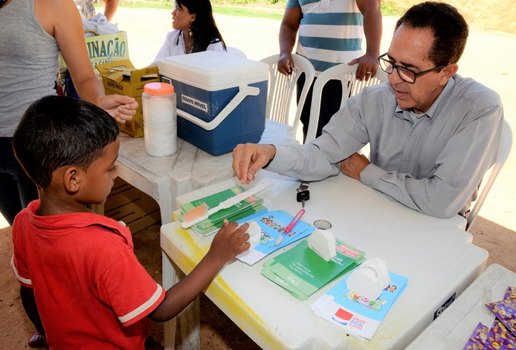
x,y
79,267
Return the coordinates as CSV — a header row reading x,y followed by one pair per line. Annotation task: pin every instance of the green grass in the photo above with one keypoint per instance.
x,y
244,8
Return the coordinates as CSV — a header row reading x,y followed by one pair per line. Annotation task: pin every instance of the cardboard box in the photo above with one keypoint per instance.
x,y
221,99
120,77
130,205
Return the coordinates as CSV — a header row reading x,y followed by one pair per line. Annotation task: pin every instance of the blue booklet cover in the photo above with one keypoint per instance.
x,y
272,227
356,314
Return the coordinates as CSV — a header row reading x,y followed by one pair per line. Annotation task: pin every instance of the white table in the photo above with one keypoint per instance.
x,y
453,328
435,254
164,178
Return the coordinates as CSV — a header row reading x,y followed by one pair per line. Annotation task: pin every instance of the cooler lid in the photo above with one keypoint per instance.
x,y
212,70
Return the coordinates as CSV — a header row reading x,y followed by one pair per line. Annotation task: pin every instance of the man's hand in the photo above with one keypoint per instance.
x,y
120,107
249,158
367,66
353,165
285,64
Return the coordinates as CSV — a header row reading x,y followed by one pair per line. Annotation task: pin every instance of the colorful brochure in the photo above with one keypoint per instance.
x,y
272,236
244,209
302,272
356,314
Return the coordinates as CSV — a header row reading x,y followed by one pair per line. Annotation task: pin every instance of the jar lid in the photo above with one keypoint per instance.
x,y
158,89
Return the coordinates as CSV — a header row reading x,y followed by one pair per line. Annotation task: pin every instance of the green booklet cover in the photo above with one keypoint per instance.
x,y
302,272
249,207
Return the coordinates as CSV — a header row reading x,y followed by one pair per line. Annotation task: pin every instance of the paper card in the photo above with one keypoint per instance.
x,y
356,314
272,226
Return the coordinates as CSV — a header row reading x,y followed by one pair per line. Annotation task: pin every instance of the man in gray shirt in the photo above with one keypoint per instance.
x,y
432,133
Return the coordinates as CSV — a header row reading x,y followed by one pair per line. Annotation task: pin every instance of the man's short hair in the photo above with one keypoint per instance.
x,y
58,131
448,26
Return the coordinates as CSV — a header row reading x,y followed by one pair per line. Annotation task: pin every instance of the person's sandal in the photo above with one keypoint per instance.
x,y
37,340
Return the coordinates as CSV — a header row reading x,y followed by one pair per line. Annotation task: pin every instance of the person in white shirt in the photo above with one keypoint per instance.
x,y
194,30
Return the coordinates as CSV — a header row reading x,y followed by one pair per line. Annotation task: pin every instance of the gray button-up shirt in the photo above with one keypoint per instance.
x,y
432,162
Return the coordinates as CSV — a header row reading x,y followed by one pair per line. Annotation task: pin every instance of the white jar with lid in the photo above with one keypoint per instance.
x,y
159,119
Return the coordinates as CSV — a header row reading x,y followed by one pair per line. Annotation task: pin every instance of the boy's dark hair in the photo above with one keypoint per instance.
x,y
449,28
58,131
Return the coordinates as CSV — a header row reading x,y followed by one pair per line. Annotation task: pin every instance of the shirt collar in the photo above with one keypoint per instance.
x,y
63,223
430,112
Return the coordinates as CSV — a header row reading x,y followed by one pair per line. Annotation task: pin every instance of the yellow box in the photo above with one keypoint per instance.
x,y
120,77
130,205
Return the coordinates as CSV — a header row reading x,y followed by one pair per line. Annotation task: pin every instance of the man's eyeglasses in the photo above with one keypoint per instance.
x,y
405,73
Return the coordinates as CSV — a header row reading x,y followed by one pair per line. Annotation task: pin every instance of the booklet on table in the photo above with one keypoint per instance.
x,y
302,272
252,205
356,314
272,234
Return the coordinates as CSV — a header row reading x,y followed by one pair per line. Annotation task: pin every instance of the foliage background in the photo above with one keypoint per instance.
x,y
498,15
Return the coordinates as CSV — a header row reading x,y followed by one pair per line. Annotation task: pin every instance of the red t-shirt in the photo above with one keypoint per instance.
x,y
91,291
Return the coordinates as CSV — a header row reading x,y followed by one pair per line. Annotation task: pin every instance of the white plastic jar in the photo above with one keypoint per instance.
x,y
159,119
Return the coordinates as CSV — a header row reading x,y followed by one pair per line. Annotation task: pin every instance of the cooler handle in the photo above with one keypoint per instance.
x,y
243,92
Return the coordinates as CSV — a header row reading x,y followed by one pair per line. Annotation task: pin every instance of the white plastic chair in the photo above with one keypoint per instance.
x,y
282,88
492,173
350,86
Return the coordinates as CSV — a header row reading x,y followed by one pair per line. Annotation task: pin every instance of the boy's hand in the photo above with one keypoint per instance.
x,y
229,241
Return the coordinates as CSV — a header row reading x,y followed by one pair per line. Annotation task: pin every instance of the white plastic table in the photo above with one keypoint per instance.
x,y
164,178
453,328
435,254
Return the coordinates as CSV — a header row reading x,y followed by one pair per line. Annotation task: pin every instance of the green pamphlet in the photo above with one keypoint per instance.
x,y
302,272
249,207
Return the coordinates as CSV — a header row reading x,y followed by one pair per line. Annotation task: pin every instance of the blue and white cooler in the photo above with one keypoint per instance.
x,y
221,99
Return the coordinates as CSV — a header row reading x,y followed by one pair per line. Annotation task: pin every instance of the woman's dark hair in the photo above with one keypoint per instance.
x,y
58,131
448,26
204,29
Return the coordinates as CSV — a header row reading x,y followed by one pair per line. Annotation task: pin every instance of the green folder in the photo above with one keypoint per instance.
x,y
302,272
246,208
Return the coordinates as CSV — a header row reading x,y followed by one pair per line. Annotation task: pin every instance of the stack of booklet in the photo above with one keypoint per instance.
x,y
302,272
245,209
354,313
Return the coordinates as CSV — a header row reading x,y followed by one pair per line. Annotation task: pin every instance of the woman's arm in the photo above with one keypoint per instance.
x,y
61,19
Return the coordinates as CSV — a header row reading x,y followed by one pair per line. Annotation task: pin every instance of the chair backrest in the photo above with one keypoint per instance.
x,y
235,52
503,154
282,88
350,86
